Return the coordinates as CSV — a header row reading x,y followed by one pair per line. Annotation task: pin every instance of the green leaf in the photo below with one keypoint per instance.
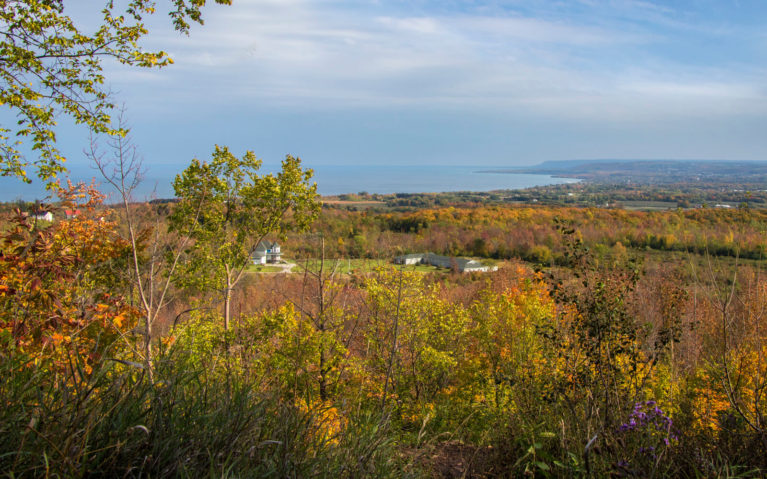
x,y
50,68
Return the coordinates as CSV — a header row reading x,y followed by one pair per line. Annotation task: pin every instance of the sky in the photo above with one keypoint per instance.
x,y
474,82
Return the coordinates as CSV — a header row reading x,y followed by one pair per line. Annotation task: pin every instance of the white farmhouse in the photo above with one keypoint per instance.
x,y
267,252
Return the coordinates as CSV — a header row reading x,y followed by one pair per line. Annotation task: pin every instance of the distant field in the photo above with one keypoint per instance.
x,y
649,205
360,202
360,205
358,265
342,265
361,265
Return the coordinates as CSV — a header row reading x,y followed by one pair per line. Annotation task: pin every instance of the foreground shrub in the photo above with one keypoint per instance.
x,y
117,424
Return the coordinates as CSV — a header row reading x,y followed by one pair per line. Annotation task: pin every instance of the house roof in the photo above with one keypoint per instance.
x,y
458,260
462,264
265,245
411,256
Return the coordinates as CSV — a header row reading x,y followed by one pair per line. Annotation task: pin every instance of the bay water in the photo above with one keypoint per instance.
x,y
331,180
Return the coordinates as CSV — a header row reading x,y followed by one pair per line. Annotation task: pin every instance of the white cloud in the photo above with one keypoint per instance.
x,y
423,25
700,90
516,29
303,53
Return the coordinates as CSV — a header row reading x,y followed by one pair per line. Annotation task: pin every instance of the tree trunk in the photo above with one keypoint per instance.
x,y
148,348
227,303
321,324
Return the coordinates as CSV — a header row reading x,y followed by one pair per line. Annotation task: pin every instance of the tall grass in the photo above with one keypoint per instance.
x,y
115,423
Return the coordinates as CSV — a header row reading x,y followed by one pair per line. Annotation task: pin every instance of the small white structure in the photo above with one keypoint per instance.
x,y
267,252
409,259
43,216
463,265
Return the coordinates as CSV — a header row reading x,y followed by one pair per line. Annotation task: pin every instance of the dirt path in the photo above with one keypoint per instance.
x,y
286,267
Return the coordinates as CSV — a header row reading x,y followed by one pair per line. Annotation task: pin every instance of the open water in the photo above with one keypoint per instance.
x,y
331,180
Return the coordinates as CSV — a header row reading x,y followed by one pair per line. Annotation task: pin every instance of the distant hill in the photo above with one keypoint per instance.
x,y
651,171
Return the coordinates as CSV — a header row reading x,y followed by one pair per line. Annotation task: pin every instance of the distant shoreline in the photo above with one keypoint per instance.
x,y
608,171
337,180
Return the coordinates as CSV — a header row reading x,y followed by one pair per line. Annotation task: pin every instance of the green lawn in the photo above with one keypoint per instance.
x,y
649,205
361,265
261,268
345,266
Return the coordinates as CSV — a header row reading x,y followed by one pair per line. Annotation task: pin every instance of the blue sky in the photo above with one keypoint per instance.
x,y
454,82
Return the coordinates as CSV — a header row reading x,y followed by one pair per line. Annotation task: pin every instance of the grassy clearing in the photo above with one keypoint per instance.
x,y
361,265
343,265
365,265
262,268
359,205
422,268
649,205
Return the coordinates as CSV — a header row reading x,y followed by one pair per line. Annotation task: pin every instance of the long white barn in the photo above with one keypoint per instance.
x,y
463,265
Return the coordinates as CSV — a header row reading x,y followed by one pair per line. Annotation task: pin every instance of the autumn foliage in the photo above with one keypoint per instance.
x,y
57,285
598,365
